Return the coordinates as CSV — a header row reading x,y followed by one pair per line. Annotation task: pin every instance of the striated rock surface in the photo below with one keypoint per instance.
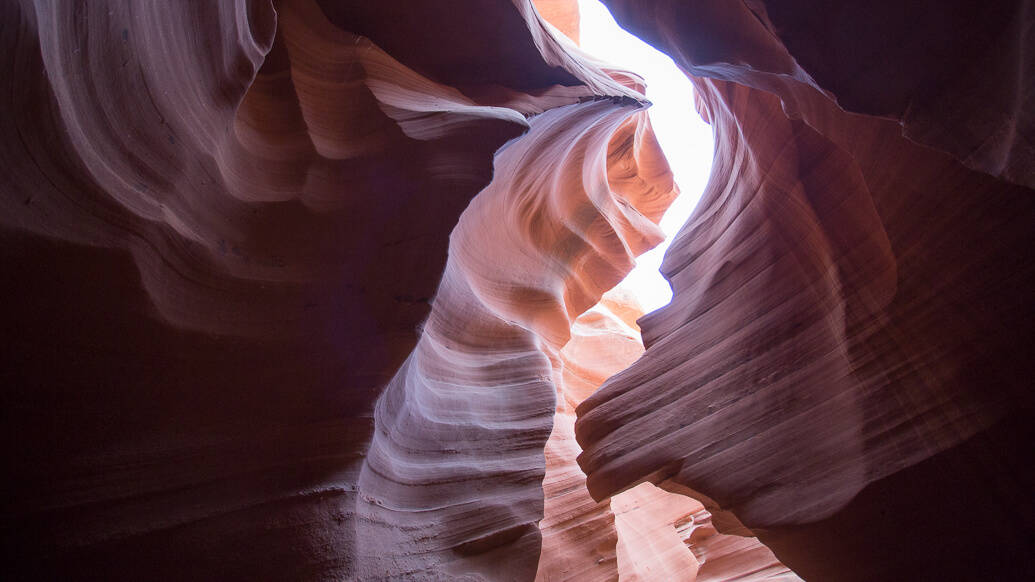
x,y
641,534
288,288
666,536
957,76
452,480
222,224
579,535
847,354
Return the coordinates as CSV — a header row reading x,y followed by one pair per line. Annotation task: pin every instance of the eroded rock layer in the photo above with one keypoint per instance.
x,y
956,75
456,463
287,287
641,534
852,310
222,224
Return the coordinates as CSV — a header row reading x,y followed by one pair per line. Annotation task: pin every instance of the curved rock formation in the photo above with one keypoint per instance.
x,y
956,75
456,462
222,224
641,534
579,534
850,307
288,288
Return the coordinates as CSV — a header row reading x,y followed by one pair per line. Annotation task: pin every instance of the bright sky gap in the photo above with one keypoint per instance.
x,y
685,138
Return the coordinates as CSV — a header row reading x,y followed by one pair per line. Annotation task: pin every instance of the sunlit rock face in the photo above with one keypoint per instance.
x,y
452,479
642,534
847,358
562,15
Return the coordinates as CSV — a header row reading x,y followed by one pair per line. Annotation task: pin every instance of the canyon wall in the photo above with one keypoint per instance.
x,y
224,228
641,534
847,357
289,288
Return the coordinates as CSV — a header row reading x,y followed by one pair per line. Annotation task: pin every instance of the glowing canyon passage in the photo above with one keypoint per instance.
x,y
333,290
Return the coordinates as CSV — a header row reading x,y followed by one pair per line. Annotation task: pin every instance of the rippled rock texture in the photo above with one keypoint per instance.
x,y
288,289
847,359
641,534
223,227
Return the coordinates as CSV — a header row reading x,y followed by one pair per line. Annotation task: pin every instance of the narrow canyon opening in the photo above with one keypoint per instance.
x,y
686,140
644,533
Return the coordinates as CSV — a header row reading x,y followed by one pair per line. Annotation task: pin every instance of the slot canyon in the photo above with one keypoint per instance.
x,y
329,290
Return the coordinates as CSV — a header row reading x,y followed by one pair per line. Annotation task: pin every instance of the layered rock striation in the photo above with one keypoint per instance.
x,y
456,461
847,352
641,534
290,290
224,226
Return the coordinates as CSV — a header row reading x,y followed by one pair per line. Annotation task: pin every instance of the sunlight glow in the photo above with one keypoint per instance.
x,y
685,138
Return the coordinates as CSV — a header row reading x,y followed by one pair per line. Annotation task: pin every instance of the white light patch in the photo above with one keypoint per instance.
x,y
684,137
